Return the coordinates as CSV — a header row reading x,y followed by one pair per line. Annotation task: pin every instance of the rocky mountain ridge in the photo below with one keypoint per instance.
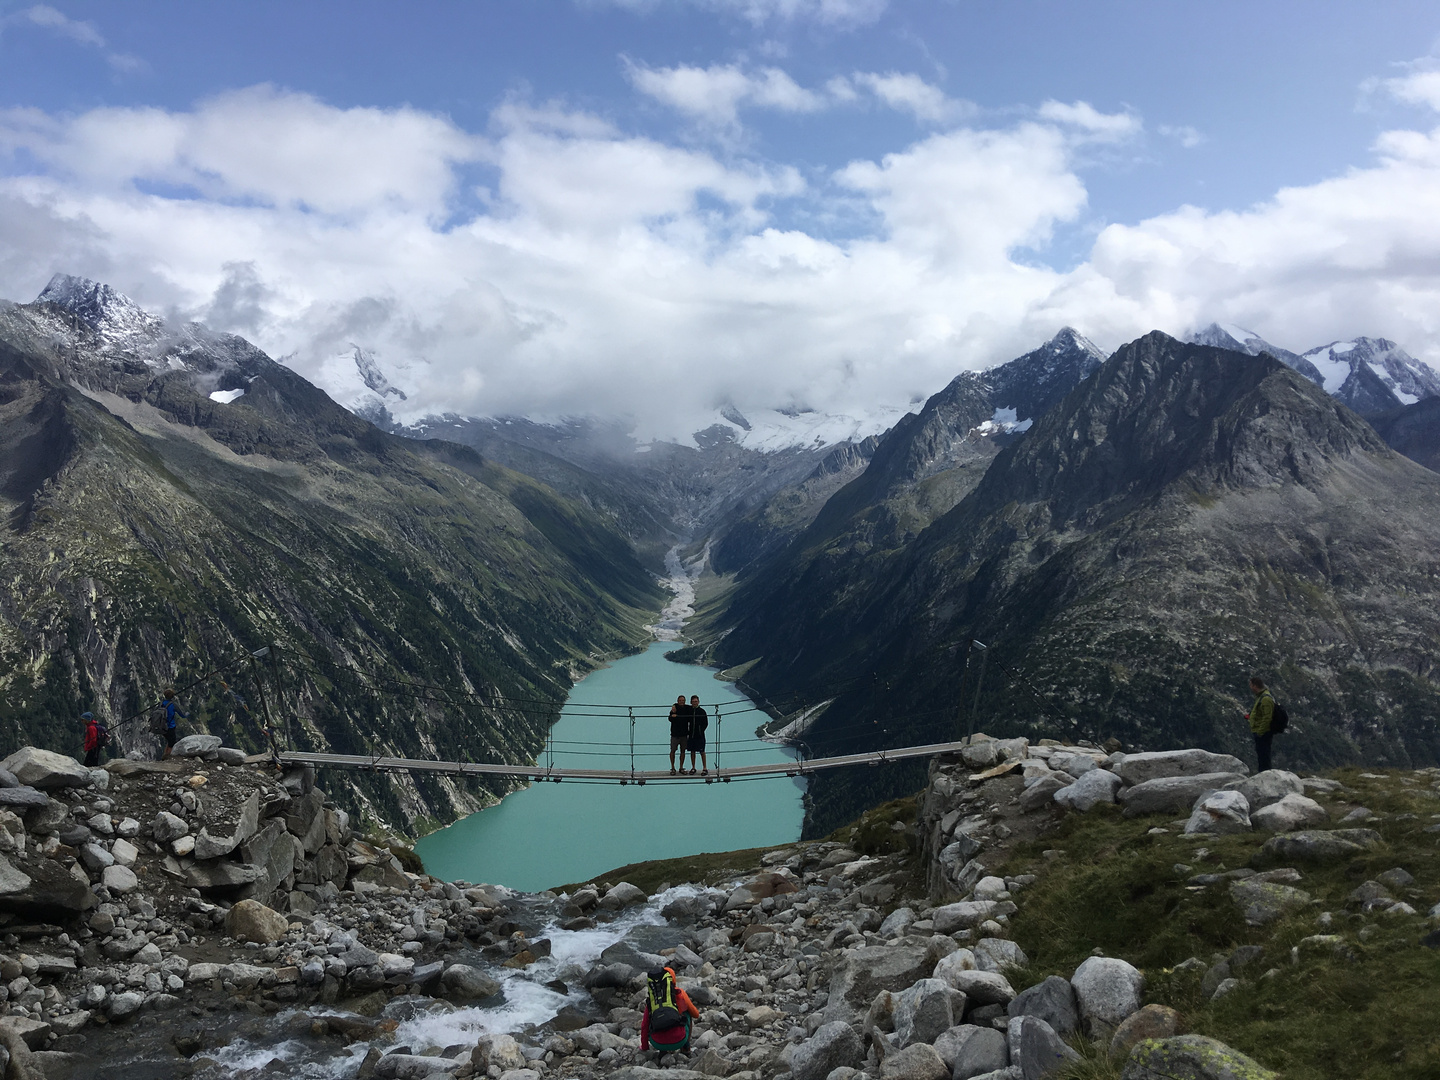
x,y
1185,516
175,500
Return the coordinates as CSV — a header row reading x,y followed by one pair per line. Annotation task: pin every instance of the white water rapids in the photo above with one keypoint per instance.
x,y
428,1027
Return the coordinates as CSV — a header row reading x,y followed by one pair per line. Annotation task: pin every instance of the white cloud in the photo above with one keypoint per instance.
x,y
259,144
602,271
1417,88
912,94
841,14
45,17
714,95
1085,118
1184,134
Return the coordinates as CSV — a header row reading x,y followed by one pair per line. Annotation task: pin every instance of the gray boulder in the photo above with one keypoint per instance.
x,y
1220,812
24,797
230,755
1052,1001
862,973
1191,1057
968,914
1141,768
1107,990
500,1051
833,1046
1035,1049
996,954
897,922
622,895
1321,845
45,769
1288,814
1041,794
226,825
1092,788
926,1010
414,1067
8,779
167,827
918,1061
220,875
1262,902
1267,787
193,746
1172,794
982,987
252,921
12,880
971,1050
467,983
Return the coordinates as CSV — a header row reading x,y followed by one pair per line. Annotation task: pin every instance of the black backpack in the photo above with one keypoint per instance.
x,y
664,1013
1279,720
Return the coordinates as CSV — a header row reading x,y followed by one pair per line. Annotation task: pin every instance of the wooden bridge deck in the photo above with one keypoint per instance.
x,y
540,773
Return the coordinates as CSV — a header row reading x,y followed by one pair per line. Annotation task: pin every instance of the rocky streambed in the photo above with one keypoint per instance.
x,y
204,917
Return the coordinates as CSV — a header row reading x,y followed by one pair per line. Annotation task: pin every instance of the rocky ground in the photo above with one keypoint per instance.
x,y
204,917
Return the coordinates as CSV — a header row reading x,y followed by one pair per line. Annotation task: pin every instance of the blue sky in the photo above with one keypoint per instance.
x,y
534,206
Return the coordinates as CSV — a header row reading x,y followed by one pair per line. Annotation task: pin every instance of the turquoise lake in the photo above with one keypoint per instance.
x,y
549,834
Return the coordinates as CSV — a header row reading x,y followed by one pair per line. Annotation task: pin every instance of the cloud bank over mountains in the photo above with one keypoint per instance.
x,y
555,263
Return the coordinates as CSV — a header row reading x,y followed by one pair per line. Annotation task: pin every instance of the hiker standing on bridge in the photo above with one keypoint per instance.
x,y
1260,716
679,731
172,710
695,741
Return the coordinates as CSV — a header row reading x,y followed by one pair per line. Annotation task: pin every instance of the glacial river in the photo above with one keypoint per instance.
x,y
548,834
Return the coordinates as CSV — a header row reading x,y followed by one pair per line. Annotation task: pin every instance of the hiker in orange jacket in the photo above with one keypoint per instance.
x,y
665,1024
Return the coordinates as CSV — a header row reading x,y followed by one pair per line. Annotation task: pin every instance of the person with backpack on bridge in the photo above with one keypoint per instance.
x,y
679,732
97,737
665,1023
1261,717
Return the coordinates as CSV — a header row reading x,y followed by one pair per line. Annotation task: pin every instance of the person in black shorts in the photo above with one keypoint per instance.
x,y
699,721
679,731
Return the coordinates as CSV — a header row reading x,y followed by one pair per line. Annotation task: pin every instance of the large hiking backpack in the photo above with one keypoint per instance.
x,y
102,734
1279,720
664,1013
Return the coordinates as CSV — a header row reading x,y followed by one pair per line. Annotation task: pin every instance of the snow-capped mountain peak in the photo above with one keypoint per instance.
x,y
114,317
1373,374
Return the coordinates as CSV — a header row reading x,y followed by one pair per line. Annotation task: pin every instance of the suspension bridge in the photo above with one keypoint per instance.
x,y
538,773
624,762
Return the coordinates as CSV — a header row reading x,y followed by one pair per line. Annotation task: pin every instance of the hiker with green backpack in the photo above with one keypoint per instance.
x,y
1267,720
665,1024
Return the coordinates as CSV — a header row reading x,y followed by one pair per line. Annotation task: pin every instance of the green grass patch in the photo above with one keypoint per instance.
x,y
706,868
1370,1012
875,831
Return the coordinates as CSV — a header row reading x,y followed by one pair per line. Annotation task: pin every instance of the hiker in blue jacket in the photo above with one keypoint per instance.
x,y
172,710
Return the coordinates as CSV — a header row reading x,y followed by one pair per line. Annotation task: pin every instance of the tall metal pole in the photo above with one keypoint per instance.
x,y
979,682
631,710
264,703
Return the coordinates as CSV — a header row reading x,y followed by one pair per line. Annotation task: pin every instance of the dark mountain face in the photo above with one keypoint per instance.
x,y
1413,430
174,499
1186,516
